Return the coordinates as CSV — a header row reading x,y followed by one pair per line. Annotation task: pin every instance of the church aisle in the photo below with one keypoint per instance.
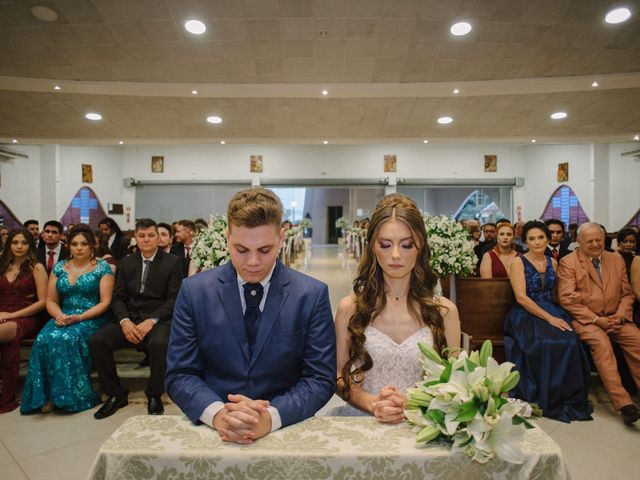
x,y
63,446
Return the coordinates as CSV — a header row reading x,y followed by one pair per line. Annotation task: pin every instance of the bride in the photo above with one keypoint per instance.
x,y
391,309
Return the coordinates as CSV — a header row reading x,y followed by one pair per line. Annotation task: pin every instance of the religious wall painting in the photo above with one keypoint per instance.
x,y
87,173
390,164
157,164
564,205
84,208
563,172
255,164
490,163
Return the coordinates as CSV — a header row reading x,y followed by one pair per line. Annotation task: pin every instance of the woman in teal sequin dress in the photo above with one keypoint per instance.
x,y
78,299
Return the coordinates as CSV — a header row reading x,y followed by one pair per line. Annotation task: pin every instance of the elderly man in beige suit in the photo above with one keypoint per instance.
x,y
593,288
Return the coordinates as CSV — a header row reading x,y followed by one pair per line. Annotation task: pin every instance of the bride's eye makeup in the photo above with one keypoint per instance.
x,y
407,246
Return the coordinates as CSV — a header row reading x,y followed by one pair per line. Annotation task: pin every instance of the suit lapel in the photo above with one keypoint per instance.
x,y
229,296
588,266
137,272
276,297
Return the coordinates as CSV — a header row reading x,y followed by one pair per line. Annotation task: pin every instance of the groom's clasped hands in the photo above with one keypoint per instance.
x,y
243,420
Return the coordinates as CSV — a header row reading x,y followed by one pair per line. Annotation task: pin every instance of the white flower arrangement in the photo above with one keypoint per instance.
x,y
461,399
210,245
342,223
305,223
292,231
451,251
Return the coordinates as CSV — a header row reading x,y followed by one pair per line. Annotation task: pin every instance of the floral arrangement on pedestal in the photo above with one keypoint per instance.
x,y
462,400
210,245
305,223
451,251
342,224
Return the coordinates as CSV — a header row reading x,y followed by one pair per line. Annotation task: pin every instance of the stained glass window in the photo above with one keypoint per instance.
x,y
7,218
635,220
84,208
564,205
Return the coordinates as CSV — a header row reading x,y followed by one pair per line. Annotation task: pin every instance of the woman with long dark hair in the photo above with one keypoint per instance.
x,y
391,309
23,286
78,299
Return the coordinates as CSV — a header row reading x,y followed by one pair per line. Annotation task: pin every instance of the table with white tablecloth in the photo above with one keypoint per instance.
x,y
319,448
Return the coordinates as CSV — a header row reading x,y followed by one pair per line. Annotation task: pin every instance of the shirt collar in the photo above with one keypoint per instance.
x,y
264,282
150,258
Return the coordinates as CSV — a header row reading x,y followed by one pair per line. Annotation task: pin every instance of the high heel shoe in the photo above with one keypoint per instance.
x,y
47,408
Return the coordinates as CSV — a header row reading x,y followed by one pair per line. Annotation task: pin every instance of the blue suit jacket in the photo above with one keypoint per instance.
x,y
293,364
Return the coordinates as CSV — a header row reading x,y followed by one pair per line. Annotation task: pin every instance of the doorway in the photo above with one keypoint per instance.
x,y
333,213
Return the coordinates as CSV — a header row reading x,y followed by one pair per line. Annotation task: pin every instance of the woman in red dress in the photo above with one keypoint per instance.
x,y
495,263
23,285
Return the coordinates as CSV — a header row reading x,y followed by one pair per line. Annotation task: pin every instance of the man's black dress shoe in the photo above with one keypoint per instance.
x,y
630,414
155,406
111,406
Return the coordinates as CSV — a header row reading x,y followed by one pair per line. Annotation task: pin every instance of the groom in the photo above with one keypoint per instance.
x,y
252,344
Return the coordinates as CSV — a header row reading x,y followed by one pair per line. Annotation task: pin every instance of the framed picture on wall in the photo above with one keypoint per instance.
x,y
157,164
490,163
390,163
563,172
255,164
87,173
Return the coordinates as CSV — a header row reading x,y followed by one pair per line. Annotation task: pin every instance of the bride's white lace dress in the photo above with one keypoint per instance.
x,y
394,364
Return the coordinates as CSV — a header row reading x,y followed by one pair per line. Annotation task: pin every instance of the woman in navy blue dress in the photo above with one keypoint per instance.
x,y
538,338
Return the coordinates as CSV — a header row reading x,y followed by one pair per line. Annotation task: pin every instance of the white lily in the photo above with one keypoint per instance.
x,y
501,440
496,373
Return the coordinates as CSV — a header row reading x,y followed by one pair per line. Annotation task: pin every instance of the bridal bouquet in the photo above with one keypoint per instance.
x,y
451,251
210,245
461,400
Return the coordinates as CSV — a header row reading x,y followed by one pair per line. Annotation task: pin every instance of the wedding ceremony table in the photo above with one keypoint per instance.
x,y
170,447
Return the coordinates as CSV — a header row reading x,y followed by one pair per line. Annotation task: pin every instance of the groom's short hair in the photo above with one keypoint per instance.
x,y
254,207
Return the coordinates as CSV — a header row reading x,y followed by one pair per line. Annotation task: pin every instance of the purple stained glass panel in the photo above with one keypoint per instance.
x,y
564,205
84,208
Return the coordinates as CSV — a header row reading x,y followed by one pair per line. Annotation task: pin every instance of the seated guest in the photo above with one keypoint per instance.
x,y
495,263
116,241
146,290
4,234
165,237
51,250
34,228
102,249
23,287
488,237
391,309
185,231
635,287
557,247
474,232
594,288
252,344
78,298
538,338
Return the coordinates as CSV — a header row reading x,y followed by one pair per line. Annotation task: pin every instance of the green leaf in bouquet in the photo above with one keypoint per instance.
x,y
510,381
485,352
427,434
446,374
500,401
436,416
419,398
430,353
518,420
468,410
470,365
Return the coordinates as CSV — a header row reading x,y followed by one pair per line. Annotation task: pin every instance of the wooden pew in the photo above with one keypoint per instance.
x,y
483,304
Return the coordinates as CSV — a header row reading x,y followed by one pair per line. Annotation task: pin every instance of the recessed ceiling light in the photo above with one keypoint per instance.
x,y
43,13
325,141
56,87
222,142
445,120
637,137
456,91
559,115
460,28
195,26
194,92
15,140
425,141
325,93
93,116
214,119
595,84
120,142
533,140
617,15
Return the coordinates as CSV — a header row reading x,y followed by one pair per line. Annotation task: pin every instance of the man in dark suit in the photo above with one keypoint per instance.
x,y
185,230
51,251
143,301
557,247
34,229
252,344
117,242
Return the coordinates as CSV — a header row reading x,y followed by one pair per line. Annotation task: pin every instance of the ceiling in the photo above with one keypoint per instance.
x,y
390,67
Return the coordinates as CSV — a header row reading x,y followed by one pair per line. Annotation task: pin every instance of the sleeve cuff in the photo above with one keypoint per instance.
x,y
123,320
210,412
276,421
155,321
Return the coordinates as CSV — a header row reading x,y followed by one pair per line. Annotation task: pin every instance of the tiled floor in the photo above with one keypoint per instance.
x,y
60,446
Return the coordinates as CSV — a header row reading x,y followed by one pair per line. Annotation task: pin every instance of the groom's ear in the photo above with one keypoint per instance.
x,y
226,233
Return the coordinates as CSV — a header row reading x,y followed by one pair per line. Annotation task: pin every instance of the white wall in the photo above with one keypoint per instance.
x,y
624,184
20,188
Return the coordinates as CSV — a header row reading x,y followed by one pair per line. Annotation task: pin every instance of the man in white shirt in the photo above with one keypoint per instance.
x,y
51,251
